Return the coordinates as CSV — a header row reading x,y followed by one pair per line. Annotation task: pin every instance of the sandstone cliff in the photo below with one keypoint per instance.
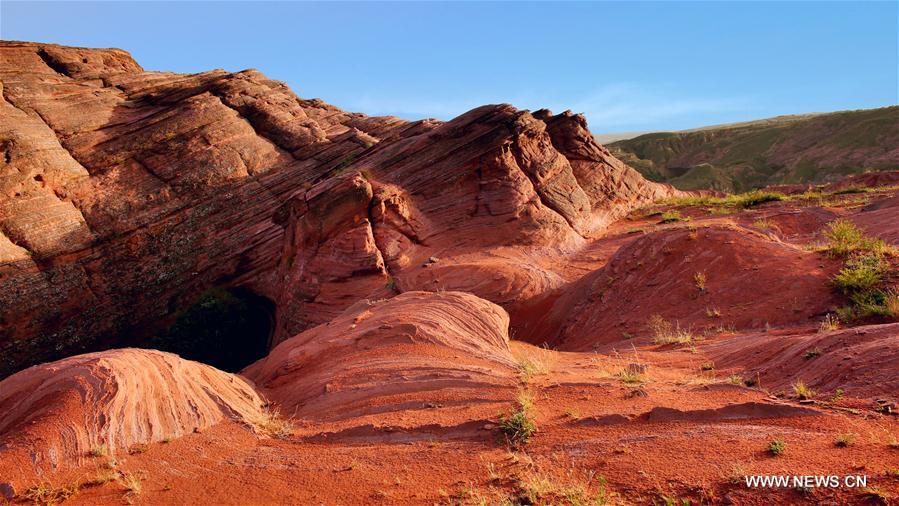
x,y
125,193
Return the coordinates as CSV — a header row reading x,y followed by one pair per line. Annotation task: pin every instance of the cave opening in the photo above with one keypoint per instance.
x,y
228,329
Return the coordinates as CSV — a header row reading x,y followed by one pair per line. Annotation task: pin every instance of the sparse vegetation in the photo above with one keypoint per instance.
x,y
708,366
534,488
844,238
631,376
735,379
699,280
531,364
864,272
838,395
664,332
713,312
45,493
763,224
802,391
132,483
844,440
738,201
272,424
830,323
519,426
672,217
104,476
861,273
777,447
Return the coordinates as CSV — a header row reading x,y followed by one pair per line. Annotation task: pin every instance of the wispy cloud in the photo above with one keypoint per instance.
x,y
612,108
627,106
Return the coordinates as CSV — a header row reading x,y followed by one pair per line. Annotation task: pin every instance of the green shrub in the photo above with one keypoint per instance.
x,y
671,217
777,447
861,273
844,237
755,198
518,427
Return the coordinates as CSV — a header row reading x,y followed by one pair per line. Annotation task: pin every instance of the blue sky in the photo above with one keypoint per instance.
x,y
629,66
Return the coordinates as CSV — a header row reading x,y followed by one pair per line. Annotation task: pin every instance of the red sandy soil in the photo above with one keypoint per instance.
x,y
397,401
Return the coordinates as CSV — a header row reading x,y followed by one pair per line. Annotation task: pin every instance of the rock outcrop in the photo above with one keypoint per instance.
x,y
413,350
713,279
61,411
125,193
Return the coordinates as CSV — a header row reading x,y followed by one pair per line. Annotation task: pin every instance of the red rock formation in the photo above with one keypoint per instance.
x,y
126,193
861,361
402,353
749,280
62,410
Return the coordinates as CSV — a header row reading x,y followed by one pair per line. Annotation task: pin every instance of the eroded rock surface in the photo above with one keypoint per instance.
x,y
107,401
414,349
124,194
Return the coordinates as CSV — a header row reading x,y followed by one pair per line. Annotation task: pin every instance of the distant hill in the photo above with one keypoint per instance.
x,y
805,148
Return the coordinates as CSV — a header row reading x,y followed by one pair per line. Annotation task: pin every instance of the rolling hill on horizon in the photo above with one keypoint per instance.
x,y
801,148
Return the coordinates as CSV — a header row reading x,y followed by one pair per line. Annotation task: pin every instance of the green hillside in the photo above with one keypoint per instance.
x,y
811,148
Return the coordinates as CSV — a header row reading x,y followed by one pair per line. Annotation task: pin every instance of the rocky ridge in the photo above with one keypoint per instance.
x,y
126,193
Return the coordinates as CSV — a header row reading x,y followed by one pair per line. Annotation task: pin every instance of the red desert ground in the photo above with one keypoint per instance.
x,y
488,310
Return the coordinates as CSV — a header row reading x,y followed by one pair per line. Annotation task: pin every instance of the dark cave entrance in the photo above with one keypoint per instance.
x,y
227,329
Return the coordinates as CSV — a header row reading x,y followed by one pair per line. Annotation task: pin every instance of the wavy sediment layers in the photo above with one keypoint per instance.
x,y
413,350
124,194
60,411
697,279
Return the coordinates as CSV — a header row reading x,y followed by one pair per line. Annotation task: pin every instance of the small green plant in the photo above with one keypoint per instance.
x,y
838,395
844,440
812,353
708,366
520,425
699,280
777,447
391,284
672,217
802,391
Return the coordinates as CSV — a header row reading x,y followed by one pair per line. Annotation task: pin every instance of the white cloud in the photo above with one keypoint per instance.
x,y
612,108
